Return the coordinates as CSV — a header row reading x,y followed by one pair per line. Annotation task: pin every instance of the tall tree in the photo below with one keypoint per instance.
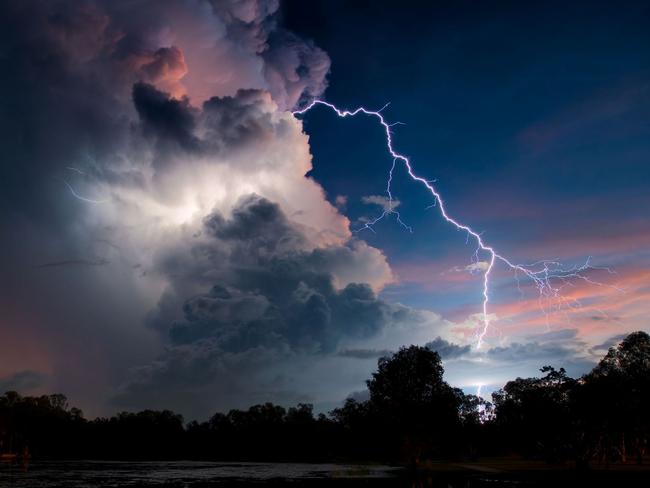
x,y
413,402
613,401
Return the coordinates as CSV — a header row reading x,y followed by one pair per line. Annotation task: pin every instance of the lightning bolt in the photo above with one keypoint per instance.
x,y
548,276
74,193
481,407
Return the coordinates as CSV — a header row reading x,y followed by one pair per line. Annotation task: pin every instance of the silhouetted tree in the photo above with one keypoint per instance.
x,y
414,404
475,416
41,424
612,403
149,434
412,413
535,414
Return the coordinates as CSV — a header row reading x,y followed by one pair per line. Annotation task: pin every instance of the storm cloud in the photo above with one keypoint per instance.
x,y
446,349
164,236
164,244
252,290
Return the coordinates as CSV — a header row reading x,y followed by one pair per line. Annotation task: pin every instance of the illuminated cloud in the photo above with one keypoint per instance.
x,y
167,177
384,202
472,268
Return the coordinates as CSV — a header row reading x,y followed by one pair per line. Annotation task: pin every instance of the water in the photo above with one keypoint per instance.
x,y
188,474
185,474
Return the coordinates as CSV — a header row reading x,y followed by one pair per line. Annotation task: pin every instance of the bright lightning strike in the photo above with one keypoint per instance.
x,y
481,406
549,276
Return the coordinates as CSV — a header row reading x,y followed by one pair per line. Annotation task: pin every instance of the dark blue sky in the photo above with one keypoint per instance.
x,y
533,119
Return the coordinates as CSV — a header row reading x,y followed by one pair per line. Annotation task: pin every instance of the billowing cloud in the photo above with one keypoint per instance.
x,y
252,284
265,284
154,167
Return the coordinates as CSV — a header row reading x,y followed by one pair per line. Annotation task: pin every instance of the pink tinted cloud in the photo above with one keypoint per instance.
x,y
621,303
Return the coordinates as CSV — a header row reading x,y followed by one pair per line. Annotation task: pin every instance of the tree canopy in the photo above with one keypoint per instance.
x,y
412,413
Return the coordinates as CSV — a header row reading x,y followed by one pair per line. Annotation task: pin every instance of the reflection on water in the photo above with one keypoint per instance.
x,y
78,474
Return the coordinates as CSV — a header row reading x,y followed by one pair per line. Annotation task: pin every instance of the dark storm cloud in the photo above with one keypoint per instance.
x,y
267,301
169,121
233,122
226,124
90,89
223,126
268,288
261,225
364,353
448,350
22,381
202,378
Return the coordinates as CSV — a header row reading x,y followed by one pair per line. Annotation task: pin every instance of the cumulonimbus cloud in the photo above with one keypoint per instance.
x,y
220,258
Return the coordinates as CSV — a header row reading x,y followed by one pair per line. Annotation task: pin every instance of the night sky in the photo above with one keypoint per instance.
x,y
173,237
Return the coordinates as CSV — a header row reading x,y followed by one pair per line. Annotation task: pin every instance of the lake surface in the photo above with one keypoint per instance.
x,y
82,474
188,474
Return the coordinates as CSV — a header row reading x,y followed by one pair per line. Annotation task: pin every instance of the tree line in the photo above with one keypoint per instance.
x,y
412,414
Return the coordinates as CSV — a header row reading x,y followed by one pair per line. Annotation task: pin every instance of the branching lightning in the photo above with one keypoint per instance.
x,y
387,211
549,276
82,198
73,191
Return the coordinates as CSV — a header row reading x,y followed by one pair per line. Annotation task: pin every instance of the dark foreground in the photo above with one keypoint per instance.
x,y
494,473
